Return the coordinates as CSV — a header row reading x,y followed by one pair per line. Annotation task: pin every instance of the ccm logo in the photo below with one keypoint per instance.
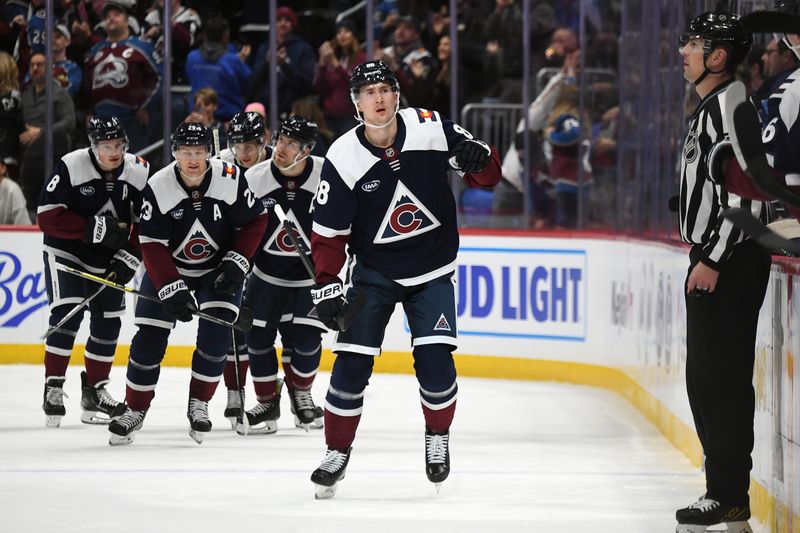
x,y
371,185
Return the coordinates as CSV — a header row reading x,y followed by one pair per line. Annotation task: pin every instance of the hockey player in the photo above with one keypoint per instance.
x,y
88,212
725,285
384,192
247,145
200,226
278,289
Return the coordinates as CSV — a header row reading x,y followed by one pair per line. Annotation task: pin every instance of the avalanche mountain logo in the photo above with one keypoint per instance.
x,y
406,217
197,247
279,242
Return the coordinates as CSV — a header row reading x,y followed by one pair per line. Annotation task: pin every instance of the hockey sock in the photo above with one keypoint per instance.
x,y
340,431
100,348
58,347
206,375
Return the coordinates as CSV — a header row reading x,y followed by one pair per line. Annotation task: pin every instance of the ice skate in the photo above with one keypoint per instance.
x,y
303,408
97,404
262,419
710,515
53,402
200,424
437,457
329,473
319,418
124,427
233,408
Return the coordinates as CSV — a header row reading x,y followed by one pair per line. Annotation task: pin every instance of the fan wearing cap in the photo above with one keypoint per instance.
x,y
410,61
294,64
66,72
124,74
566,135
200,227
725,284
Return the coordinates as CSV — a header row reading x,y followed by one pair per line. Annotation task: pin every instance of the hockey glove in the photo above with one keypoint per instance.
x,y
124,265
471,156
329,300
229,275
107,231
177,300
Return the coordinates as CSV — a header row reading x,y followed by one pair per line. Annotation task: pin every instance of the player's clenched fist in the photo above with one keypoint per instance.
x,y
471,156
107,231
177,300
329,299
230,273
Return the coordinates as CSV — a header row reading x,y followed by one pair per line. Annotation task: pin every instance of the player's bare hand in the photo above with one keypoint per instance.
x,y
244,53
703,278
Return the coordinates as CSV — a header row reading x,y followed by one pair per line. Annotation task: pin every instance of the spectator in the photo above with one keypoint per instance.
x,y
33,114
185,25
442,78
10,113
294,68
751,72
503,36
779,63
206,104
217,65
411,63
308,108
66,72
337,59
124,78
13,210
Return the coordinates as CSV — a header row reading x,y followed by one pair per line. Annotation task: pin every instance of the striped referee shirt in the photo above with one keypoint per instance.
x,y
703,199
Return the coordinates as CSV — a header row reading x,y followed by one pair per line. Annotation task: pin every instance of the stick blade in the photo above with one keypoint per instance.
x,y
771,21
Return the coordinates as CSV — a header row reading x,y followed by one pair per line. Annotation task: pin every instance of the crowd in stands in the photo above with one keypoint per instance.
x,y
108,58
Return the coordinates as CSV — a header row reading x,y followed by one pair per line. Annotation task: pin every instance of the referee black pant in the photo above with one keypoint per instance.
x,y
720,352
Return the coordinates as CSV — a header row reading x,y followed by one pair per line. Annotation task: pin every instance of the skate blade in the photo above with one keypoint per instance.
x,y
232,420
321,492
120,440
197,436
438,487
265,428
730,527
52,421
299,424
94,418
317,423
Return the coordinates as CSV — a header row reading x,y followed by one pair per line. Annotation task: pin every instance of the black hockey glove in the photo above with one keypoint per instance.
x,y
107,231
229,275
123,265
177,300
471,156
329,299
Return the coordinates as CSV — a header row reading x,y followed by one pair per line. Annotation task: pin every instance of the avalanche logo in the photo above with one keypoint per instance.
x,y
197,247
111,71
279,242
108,210
406,217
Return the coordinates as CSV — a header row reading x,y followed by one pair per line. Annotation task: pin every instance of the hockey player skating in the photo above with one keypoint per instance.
x,y
384,193
200,225
247,146
725,285
278,289
88,212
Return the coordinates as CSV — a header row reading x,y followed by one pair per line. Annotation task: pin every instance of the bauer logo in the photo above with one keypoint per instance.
x,y
22,291
523,293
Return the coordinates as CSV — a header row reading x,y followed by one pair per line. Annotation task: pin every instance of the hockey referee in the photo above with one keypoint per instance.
x,y
726,281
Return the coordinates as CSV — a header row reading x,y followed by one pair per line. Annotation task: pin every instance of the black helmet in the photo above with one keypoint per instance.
x,y
300,129
191,134
371,73
791,7
245,127
105,128
720,29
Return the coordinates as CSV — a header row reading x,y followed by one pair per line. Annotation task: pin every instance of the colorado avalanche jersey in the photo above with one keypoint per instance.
x,y
186,231
76,191
393,204
277,262
124,75
781,136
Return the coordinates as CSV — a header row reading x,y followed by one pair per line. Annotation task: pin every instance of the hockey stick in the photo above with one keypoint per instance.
x,y
771,21
74,310
744,127
240,418
745,221
352,308
242,324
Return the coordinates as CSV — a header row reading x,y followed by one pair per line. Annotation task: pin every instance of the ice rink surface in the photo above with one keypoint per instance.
x,y
526,456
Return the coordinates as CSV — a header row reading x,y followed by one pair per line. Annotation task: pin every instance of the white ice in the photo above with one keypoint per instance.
x,y
526,456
